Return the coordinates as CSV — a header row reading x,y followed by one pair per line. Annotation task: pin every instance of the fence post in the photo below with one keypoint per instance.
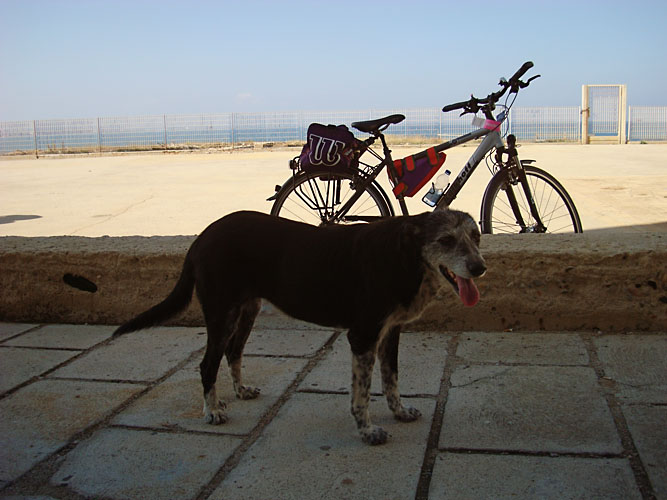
x,y
509,122
622,118
99,137
299,118
34,135
232,126
164,122
585,114
439,124
629,136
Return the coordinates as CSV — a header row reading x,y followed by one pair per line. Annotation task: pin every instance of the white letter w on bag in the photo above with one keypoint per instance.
x,y
324,151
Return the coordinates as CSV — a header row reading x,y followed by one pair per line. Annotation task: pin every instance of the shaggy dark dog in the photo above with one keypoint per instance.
x,y
368,278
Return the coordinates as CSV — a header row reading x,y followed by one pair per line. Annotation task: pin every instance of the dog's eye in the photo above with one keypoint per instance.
x,y
447,241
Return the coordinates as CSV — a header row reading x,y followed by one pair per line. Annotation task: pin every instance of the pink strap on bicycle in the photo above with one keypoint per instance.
x,y
491,125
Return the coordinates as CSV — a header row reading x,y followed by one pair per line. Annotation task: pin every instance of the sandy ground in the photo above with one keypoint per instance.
x,y
613,186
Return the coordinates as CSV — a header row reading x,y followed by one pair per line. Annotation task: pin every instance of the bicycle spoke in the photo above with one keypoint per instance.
x,y
317,199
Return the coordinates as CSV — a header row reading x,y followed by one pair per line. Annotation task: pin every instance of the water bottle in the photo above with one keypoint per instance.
x,y
441,182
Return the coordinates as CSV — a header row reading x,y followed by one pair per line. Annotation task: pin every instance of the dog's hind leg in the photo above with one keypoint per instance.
x,y
363,359
388,354
220,323
234,352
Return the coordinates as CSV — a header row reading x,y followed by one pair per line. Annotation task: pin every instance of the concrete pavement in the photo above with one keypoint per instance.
x,y
521,415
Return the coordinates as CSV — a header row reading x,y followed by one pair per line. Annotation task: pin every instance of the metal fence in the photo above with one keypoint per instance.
x,y
546,124
529,124
647,123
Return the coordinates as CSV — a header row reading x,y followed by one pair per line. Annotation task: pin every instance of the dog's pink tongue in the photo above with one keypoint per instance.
x,y
467,291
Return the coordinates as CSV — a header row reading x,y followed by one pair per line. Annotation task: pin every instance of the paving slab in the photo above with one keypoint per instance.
x,y
177,402
421,362
530,348
638,365
476,476
312,450
40,418
272,318
131,464
28,497
139,356
286,342
18,365
649,432
528,408
8,330
63,336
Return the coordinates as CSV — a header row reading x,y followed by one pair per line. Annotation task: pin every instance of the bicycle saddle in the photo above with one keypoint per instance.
x,y
370,126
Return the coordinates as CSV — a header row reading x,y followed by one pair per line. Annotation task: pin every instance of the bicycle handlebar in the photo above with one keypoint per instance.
x,y
514,83
457,105
522,70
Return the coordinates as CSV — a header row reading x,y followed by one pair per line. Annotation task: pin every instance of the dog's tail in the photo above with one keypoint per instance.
x,y
176,302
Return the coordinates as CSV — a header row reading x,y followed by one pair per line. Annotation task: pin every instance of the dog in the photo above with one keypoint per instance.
x,y
370,279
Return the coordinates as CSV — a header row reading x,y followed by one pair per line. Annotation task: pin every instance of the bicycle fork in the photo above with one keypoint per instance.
x,y
517,173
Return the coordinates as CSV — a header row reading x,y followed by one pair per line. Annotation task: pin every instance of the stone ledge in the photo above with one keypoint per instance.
x,y
611,281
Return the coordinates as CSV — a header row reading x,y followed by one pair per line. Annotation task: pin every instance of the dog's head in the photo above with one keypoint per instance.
x,y
451,250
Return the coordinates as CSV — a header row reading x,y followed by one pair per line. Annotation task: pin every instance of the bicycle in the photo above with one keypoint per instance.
x,y
532,200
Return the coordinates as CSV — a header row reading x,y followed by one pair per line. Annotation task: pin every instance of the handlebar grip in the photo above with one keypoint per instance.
x,y
457,105
526,66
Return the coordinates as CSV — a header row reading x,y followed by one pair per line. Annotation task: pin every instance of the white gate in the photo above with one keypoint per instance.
x,y
603,114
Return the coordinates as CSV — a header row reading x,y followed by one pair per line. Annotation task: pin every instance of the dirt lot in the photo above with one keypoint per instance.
x,y
179,194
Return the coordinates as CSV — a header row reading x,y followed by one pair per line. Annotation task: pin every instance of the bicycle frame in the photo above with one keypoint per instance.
x,y
492,139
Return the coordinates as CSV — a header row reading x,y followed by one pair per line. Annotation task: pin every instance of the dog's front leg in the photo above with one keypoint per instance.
x,y
388,353
362,371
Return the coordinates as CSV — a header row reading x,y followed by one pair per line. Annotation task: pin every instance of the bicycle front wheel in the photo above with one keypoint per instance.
x,y
316,197
505,207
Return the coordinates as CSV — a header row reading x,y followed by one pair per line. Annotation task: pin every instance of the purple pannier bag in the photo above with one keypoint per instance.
x,y
329,146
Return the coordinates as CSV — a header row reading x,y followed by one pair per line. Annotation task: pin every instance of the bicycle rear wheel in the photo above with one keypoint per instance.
x,y
503,198
315,197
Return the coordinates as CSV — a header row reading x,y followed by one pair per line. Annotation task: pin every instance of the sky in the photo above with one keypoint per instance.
x,y
83,59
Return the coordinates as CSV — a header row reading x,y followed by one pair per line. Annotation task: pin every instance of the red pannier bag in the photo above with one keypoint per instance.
x,y
416,170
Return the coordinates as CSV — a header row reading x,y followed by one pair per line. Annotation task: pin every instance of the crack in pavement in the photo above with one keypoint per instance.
x,y
112,216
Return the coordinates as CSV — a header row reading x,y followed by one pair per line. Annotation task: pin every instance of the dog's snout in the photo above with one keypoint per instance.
x,y
477,268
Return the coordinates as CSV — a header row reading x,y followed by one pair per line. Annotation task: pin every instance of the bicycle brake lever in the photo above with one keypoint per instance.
x,y
523,85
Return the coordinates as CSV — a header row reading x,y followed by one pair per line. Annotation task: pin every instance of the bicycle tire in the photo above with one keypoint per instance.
x,y
314,196
555,206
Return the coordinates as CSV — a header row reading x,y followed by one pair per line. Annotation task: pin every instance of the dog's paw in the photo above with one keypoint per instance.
x,y
374,435
247,392
215,416
407,414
